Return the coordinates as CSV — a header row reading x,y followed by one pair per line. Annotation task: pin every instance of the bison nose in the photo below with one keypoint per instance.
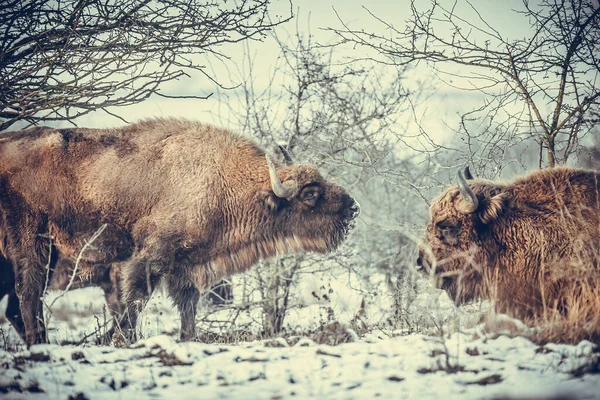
x,y
352,208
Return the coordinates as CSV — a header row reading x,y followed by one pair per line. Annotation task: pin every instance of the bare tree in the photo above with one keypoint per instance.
x,y
543,87
63,59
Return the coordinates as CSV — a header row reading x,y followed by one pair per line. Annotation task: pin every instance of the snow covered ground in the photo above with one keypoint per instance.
x,y
413,366
468,365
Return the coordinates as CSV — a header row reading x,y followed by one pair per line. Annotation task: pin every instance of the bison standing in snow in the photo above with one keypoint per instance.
x,y
530,245
177,200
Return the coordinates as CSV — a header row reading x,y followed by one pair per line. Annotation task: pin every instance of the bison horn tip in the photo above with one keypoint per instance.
x,y
468,174
286,154
285,190
470,201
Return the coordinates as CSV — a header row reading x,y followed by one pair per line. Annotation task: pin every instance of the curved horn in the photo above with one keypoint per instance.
x,y
470,201
285,191
286,154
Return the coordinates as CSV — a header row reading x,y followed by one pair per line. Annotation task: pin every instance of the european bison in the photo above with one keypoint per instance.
x,y
524,244
178,200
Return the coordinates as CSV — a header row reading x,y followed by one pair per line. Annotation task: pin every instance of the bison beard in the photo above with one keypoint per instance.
x,y
182,202
527,244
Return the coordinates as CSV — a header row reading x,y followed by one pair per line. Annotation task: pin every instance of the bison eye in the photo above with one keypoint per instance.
x,y
448,229
448,233
310,194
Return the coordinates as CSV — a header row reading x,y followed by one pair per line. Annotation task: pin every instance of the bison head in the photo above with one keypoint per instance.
x,y
305,211
455,250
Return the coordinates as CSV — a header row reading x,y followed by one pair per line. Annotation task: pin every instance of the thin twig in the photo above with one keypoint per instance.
x,y
78,260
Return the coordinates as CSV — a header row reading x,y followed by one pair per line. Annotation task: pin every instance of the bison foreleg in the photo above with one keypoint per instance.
x,y
186,299
113,297
139,279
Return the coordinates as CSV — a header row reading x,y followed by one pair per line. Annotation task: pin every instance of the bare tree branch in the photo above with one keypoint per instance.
x,y
63,59
555,71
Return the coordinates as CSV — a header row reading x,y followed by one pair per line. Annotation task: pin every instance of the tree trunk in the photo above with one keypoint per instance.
x,y
271,311
551,156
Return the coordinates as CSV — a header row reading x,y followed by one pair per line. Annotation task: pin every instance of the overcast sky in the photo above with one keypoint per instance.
x,y
313,17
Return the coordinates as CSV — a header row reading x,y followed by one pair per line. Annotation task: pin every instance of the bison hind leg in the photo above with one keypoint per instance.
x,y
7,288
30,281
13,314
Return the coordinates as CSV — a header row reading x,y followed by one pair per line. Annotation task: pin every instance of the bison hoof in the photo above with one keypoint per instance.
x,y
123,338
187,336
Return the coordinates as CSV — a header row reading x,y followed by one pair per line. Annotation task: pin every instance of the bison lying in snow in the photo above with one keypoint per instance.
x,y
524,244
178,200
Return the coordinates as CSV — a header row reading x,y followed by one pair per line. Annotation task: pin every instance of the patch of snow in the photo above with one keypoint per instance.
x,y
383,363
412,366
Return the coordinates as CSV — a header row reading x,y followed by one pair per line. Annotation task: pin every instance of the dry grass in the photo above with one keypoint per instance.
x,y
332,334
579,320
569,315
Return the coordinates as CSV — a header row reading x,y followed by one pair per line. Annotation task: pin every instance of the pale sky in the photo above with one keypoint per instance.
x,y
312,16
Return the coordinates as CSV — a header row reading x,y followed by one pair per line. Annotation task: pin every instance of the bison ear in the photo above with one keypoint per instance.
x,y
491,207
270,201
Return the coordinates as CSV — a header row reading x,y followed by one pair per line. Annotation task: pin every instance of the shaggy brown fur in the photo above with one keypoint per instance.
x,y
527,245
180,200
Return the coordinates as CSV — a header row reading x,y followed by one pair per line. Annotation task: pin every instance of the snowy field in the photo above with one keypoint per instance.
x,y
467,365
